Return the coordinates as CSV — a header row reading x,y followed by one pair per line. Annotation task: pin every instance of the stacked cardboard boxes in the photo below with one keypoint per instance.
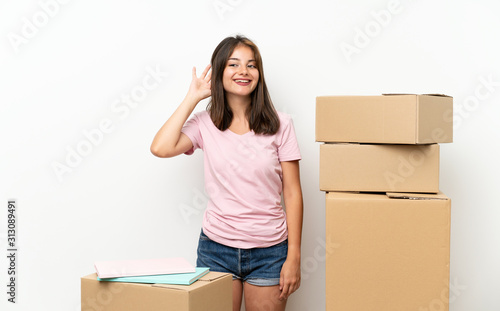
x,y
379,167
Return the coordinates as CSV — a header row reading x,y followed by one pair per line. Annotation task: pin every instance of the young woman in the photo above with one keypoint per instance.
x,y
251,159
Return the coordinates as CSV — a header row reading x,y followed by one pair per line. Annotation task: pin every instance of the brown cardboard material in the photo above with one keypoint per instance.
x,y
212,292
391,119
379,168
391,254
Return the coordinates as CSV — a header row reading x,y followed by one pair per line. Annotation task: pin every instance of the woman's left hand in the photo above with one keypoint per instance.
x,y
289,278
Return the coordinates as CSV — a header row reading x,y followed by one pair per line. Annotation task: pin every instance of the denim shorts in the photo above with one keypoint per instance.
x,y
256,266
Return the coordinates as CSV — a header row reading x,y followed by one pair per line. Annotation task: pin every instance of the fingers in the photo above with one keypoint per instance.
x,y
209,76
204,74
284,293
282,285
289,279
288,286
282,281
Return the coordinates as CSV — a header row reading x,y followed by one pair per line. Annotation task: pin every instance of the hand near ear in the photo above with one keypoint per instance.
x,y
200,86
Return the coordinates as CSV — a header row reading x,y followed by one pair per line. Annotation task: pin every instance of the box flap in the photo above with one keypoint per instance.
x,y
417,196
440,95
433,94
92,276
210,277
397,94
178,287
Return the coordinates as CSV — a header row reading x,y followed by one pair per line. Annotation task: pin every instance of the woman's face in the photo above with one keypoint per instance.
x,y
241,75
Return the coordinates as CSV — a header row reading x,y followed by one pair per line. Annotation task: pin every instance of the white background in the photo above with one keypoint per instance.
x,y
65,74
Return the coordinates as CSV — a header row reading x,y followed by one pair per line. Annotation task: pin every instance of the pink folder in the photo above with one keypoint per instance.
x,y
122,268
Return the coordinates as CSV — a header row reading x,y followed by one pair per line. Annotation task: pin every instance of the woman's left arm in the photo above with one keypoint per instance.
x,y
292,195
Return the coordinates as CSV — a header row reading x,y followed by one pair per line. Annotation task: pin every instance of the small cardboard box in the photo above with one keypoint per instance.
x,y
390,119
379,168
390,253
212,292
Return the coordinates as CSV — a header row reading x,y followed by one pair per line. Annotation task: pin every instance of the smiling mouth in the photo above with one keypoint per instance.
x,y
242,81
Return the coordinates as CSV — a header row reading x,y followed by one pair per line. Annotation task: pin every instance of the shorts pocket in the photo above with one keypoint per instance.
x,y
203,237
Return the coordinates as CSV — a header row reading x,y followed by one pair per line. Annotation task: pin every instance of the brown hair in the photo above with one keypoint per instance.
x,y
262,116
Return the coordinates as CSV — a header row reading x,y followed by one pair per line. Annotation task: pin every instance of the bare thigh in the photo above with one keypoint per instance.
x,y
263,298
237,294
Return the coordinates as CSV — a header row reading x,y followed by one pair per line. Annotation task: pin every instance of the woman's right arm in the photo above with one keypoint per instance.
x,y
170,141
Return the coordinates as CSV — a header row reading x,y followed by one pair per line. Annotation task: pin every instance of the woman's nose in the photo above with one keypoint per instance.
x,y
243,70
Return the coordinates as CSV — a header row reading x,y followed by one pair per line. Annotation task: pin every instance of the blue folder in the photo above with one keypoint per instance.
x,y
177,278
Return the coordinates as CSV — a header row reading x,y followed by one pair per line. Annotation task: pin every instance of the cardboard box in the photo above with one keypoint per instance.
x,y
212,292
391,119
389,254
379,168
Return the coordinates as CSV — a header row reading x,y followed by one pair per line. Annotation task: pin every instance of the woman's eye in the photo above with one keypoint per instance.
x,y
232,65
252,66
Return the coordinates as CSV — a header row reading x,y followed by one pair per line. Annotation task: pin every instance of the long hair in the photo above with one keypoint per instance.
x,y
262,116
